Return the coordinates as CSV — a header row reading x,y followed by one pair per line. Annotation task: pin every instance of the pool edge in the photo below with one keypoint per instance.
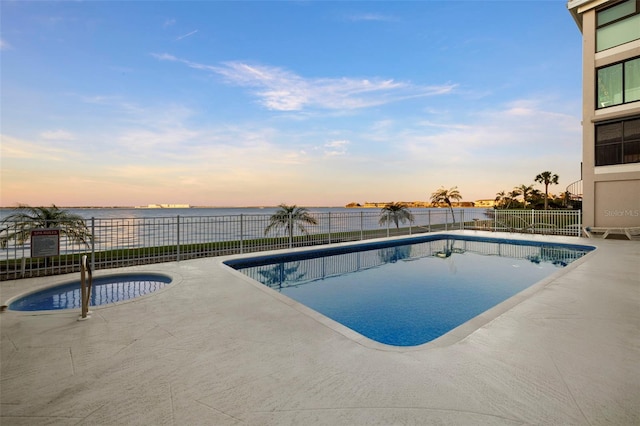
x,y
61,280
453,336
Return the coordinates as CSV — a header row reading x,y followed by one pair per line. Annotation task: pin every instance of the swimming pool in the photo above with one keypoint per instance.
x,y
409,292
107,289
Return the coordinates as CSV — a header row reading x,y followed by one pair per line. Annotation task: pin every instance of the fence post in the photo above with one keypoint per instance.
x,y
429,216
446,220
93,243
290,230
361,225
462,219
579,230
388,225
329,227
533,220
178,238
410,227
241,232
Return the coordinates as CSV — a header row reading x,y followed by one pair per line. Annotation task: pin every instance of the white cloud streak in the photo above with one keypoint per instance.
x,y
186,35
520,139
281,90
12,148
336,148
372,17
57,135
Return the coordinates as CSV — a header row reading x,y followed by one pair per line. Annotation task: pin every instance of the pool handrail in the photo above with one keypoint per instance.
x,y
86,280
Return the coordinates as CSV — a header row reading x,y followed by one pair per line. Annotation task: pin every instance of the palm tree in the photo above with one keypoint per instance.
x,y
503,199
447,251
393,254
17,226
396,213
535,198
525,191
566,198
512,197
445,196
280,274
547,178
290,217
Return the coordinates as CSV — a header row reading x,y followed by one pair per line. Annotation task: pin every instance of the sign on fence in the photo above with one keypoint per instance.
x,y
45,242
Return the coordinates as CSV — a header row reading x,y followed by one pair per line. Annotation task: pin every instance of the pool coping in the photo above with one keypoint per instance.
x,y
61,280
452,336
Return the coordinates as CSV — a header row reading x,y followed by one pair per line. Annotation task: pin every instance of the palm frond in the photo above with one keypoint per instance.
x,y
18,225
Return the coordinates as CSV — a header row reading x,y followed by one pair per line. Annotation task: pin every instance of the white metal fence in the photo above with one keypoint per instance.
x,y
134,241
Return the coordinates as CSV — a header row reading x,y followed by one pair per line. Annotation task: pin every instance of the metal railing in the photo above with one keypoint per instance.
x,y
86,284
547,222
135,241
575,190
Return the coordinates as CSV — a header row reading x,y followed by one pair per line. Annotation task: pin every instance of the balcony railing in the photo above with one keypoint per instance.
x,y
575,190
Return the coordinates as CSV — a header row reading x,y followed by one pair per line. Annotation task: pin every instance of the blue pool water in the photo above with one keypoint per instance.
x,y
410,292
109,289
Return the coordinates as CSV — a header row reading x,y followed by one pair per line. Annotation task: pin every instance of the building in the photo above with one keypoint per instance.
x,y
485,203
166,206
610,110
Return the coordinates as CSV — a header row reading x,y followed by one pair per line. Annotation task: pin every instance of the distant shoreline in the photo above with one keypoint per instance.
x,y
171,208
236,207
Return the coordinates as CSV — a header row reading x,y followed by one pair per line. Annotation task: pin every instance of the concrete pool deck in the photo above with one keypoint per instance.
x,y
214,348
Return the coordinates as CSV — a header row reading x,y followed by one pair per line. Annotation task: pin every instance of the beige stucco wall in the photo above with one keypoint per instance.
x,y
588,110
617,203
611,195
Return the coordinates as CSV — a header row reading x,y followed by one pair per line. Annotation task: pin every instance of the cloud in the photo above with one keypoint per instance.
x,y
157,141
433,124
336,148
15,148
209,159
282,90
58,135
187,35
372,17
516,140
4,45
169,23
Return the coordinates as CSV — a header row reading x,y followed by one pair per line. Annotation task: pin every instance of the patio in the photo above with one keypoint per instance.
x,y
215,348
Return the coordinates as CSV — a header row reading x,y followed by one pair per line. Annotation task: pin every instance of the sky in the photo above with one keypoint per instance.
x,y
314,103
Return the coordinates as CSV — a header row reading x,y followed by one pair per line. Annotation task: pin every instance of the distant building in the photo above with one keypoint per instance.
x,y
166,206
463,204
485,203
411,204
379,205
370,205
610,110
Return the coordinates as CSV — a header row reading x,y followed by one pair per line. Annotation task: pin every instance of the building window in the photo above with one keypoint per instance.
x,y
618,24
632,80
618,142
618,84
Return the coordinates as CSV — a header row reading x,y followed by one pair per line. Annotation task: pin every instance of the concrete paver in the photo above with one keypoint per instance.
x,y
215,348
